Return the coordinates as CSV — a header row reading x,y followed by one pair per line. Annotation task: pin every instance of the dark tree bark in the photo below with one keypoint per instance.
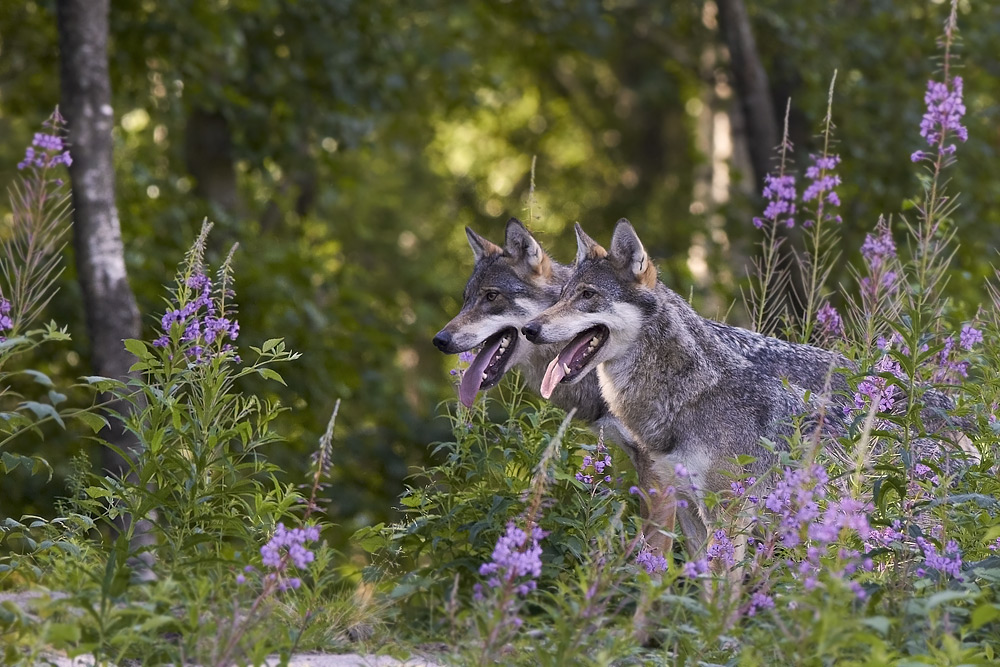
x,y
208,153
752,87
110,307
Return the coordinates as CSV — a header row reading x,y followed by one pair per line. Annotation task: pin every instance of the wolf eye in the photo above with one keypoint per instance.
x,y
492,296
587,294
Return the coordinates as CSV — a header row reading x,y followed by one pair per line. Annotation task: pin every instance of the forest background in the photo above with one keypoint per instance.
x,y
345,145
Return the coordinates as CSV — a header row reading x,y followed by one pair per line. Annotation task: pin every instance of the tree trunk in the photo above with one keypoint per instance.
x,y
208,152
752,86
109,305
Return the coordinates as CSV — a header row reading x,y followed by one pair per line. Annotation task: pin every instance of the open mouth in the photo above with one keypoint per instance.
x,y
574,358
489,365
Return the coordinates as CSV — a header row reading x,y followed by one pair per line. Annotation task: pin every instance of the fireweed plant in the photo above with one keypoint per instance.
x,y
30,403
875,542
235,568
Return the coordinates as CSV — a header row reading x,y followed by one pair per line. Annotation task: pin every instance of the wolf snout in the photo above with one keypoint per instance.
x,y
442,339
531,330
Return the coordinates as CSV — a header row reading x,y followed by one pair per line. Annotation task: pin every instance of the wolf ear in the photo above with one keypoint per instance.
x,y
480,246
586,247
628,253
522,246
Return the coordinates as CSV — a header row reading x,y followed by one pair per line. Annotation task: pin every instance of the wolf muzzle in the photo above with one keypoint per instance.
x,y
442,340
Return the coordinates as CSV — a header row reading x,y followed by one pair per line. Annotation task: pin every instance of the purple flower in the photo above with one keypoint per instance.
x,y
847,513
779,191
740,487
6,323
878,248
289,544
917,156
760,601
885,536
948,561
822,181
829,320
695,568
240,579
722,549
995,545
945,110
595,466
795,499
516,556
877,390
950,369
970,337
50,148
202,326
653,564
857,589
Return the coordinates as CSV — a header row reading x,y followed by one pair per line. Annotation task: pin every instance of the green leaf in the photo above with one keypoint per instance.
x,y
102,383
12,342
63,633
39,464
68,547
56,398
94,422
270,344
10,461
43,411
946,596
371,538
39,377
983,614
97,492
269,374
878,623
137,348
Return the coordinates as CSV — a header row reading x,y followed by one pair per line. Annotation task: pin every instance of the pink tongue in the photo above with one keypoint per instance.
x,y
473,378
556,370
553,376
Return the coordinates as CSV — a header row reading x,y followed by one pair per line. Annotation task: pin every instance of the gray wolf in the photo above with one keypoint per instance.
x,y
684,393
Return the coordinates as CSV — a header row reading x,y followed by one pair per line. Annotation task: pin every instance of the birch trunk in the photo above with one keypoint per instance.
x,y
110,307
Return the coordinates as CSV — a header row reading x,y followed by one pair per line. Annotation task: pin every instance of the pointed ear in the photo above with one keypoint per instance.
x,y
628,253
480,246
586,247
522,246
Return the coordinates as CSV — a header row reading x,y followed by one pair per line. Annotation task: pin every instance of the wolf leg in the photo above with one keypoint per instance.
x,y
659,512
730,578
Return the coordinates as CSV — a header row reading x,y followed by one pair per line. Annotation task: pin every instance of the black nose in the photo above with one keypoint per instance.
x,y
442,340
531,330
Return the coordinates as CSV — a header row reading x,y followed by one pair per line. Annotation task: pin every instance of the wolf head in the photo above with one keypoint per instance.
x,y
602,307
509,286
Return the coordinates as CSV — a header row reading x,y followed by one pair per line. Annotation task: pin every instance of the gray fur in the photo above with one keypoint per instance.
x,y
678,383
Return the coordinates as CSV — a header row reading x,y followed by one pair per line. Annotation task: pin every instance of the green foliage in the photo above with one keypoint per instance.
x,y
164,560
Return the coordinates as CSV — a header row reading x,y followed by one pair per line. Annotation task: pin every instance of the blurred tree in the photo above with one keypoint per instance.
x,y
752,85
110,309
